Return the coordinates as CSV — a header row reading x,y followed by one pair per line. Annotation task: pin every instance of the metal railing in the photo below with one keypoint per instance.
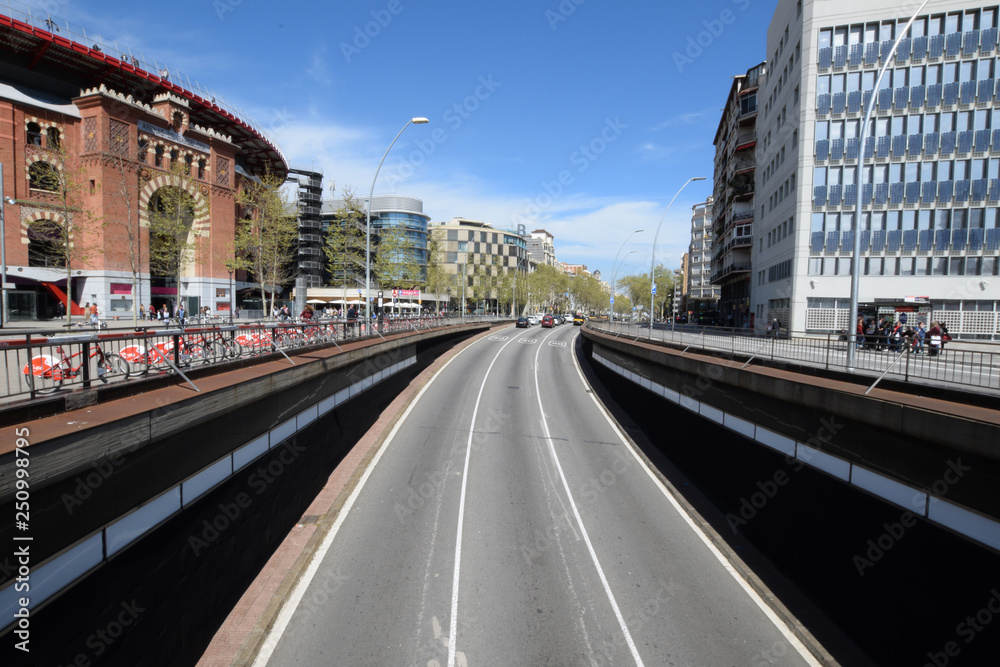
x,y
41,362
965,363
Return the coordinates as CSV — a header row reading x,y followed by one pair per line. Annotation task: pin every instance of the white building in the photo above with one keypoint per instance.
x,y
701,293
542,248
931,192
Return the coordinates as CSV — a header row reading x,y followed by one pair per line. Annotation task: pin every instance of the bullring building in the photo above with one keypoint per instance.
x,y
119,135
930,193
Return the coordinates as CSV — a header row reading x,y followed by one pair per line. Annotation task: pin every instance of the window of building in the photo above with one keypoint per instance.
x,y
43,176
143,150
201,168
52,138
34,134
158,156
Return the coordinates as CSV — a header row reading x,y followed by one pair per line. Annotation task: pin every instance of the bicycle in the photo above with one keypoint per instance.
x,y
50,372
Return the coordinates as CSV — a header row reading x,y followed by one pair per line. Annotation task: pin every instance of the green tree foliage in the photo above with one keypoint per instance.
x,y
344,244
438,280
62,242
395,265
266,238
172,212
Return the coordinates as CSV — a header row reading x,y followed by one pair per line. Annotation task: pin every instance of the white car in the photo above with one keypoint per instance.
x,y
533,319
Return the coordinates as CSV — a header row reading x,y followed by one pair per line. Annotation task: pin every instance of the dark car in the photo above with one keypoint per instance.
x,y
523,323
548,322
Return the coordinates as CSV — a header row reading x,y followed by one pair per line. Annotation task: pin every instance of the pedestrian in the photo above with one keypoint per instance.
x,y
142,312
859,331
274,311
164,314
152,312
934,336
776,327
918,337
180,315
60,310
285,314
769,328
306,313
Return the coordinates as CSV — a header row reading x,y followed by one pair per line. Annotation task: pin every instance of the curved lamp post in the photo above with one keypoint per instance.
x,y
611,302
368,224
652,263
852,338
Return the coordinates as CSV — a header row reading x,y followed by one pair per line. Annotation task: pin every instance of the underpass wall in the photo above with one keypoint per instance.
x,y
896,447
168,514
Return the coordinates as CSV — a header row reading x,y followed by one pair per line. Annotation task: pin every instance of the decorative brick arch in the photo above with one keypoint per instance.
x,y
27,219
201,225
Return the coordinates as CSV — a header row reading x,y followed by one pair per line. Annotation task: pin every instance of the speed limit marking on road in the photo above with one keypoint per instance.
x,y
529,341
557,343
498,338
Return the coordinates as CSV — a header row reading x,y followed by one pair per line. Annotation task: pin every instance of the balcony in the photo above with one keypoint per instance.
x,y
730,271
746,141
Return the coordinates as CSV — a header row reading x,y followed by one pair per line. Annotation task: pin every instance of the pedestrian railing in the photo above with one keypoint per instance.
x,y
969,363
42,362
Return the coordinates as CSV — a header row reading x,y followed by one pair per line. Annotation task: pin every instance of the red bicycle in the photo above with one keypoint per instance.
x,y
51,371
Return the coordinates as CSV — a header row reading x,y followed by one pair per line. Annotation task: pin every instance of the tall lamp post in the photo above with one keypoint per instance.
x,y
611,302
652,262
614,270
3,254
368,224
852,344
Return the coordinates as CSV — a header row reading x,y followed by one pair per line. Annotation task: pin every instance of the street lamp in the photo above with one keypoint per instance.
x,y
3,255
652,262
231,295
614,270
611,303
852,317
368,224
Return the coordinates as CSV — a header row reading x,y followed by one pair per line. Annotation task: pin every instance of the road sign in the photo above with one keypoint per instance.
x,y
654,288
612,301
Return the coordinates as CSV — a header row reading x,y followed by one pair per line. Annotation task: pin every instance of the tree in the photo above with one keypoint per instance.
x,y
437,280
172,213
266,239
395,265
344,244
61,241
123,191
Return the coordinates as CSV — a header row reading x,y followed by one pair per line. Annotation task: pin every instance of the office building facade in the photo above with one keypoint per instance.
x,y
930,186
698,293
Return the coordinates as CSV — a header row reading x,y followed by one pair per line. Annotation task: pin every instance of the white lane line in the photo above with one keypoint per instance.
x,y
779,623
583,529
453,631
293,600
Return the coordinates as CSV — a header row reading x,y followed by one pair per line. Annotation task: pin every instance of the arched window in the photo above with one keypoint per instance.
x,y
143,150
187,163
34,134
159,156
52,138
46,244
173,157
201,168
43,176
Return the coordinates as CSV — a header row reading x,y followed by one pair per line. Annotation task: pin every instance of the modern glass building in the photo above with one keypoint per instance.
x,y
930,229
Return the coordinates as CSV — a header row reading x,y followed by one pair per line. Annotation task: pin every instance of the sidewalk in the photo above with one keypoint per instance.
x,y
123,323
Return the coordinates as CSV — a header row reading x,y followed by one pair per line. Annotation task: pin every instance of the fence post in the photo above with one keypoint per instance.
x,y
828,341
85,363
906,366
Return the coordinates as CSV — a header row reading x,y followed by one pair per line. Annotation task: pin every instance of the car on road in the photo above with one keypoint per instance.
x,y
523,323
533,319
578,319
548,322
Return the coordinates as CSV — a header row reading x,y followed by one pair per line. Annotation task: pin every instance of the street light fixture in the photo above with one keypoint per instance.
x,y
368,223
852,316
3,255
611,302
652,263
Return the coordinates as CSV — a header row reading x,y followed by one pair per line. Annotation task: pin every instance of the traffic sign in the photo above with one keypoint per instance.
x,y
612,301
654,288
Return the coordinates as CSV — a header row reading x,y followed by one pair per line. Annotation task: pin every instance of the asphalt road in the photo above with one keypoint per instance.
x,y
506,521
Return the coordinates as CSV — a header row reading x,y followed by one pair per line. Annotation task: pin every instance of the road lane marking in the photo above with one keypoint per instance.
x,y
453,630
778,623
583,529
293,600
529,341
557,343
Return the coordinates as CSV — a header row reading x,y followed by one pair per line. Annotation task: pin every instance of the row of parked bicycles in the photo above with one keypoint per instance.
x,y
57,361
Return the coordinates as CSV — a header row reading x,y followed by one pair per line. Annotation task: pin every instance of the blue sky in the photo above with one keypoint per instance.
x,y
581,117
